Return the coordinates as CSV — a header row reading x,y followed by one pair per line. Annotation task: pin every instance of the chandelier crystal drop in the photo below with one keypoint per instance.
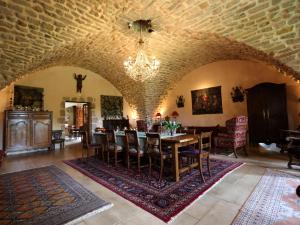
x,y
141,68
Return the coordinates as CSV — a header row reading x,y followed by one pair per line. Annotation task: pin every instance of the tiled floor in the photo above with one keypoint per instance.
x,y
218,206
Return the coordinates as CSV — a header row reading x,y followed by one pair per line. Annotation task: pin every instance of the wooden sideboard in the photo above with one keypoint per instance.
x,y
26,131
117,123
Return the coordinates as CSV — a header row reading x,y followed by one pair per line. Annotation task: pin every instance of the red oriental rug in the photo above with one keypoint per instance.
x,y
273,202
46,196
164,199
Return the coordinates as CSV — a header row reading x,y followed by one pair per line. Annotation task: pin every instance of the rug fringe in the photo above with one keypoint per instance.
x,y
200,196
85,216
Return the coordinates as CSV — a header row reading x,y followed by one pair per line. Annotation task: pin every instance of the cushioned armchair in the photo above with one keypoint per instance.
x,y
235,136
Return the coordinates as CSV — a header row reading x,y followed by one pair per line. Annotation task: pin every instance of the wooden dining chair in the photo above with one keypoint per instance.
x,y
133,149
112,147
186,148
57,139
87,146
202,152
155,151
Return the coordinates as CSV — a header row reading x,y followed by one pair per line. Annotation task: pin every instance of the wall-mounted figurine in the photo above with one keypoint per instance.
x,y
238,94
79,78
180,101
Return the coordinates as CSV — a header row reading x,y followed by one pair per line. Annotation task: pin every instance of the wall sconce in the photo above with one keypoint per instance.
x,y
180,101
238,94
175,114
158,116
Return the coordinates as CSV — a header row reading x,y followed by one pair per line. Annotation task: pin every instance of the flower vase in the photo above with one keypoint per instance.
x,y
171,132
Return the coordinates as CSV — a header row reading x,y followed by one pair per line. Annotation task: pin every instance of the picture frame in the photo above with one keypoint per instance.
x,y
29,98
207,101
111,106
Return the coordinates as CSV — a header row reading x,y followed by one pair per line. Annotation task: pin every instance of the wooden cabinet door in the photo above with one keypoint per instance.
x,y
276,111
17,134
41,132
267,112
257,123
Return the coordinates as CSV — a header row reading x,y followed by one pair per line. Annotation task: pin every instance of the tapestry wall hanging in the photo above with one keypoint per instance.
x,y
207,101
29,98
111,106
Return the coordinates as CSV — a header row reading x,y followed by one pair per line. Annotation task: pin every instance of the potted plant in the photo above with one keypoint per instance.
x,y
171,126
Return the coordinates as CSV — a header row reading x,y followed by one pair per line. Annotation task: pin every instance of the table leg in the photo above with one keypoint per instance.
x,y
175,162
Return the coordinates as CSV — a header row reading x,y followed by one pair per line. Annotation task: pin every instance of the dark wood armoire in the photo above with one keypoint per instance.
x,y
26,131
267,112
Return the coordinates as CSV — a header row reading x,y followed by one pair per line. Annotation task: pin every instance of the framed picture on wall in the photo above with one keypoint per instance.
x,y
111,106
29,97
207,101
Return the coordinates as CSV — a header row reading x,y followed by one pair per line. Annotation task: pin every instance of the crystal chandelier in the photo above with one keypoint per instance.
x,y
141,68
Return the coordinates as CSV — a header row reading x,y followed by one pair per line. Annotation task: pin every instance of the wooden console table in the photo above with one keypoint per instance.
x,y
116,123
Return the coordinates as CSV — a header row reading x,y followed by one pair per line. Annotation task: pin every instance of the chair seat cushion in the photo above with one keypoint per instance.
x,y
192,152
186,148
115,147
167,151
134,151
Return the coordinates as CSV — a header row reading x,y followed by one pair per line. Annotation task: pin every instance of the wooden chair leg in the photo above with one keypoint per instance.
x,y
139,163
200,167
161,168
107,152
102,152
116,157
128,161
150,165
290,161
208,166
235,154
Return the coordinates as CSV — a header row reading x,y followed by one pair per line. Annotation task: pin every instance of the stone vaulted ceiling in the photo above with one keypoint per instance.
x,y
93,34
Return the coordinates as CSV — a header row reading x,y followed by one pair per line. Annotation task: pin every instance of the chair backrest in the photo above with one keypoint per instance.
x,y
111,136
56,134
141,125
131,139
153,143
102,139
190,131
205,141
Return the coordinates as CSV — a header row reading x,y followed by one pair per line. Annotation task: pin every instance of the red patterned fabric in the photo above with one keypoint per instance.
x,y
235,137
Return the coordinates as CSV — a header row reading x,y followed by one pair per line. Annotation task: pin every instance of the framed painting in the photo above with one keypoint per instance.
x,y
207,101
111,106
29,97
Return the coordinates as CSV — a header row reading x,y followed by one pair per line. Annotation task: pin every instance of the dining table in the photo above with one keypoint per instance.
x,y
175,141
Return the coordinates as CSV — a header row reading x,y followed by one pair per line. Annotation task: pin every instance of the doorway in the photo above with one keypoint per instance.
x,y
77,118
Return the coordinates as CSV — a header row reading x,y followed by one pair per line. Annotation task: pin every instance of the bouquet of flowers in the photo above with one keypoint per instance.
x,y
170,125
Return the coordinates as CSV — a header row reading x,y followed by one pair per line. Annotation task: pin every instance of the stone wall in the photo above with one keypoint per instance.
x,y
91,34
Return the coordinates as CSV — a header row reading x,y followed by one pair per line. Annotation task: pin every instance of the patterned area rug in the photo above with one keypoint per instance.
x,y
45,196
164,199
273,202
